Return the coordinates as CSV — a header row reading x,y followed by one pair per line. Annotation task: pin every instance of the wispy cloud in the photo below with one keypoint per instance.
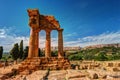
x,y
7,41
70,34
105,38
2,33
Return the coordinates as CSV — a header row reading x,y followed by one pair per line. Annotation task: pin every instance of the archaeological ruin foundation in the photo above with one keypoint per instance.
x,y
38,22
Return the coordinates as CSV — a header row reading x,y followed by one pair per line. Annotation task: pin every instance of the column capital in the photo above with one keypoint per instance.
x,y
60,29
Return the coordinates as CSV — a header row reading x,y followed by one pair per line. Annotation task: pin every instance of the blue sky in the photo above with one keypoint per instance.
x,y
85,22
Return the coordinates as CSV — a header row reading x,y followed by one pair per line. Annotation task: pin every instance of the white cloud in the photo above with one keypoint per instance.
x,y
2,33
105,38
7,41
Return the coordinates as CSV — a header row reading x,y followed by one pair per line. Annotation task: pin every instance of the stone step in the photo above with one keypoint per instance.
x,y
33,64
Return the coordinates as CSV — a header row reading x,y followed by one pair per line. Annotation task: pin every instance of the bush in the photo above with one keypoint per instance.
x,y
75,57
101,57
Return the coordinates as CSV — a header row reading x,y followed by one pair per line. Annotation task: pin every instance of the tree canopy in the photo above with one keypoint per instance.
x,y
1,51
21,49
100,54
15,51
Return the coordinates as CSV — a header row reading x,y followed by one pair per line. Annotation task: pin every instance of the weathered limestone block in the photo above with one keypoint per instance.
x,y
55,62
44,64
31,67
104,76
72,74
110,64
77,67
118,64
31,63
1,65
25,72
94,76
116,69
37,63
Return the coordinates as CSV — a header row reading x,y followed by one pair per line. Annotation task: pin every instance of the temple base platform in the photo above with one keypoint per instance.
x,y
41,63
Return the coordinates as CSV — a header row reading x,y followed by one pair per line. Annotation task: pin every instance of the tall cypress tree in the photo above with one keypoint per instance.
x,y
25,52
1,51
21,49
15,51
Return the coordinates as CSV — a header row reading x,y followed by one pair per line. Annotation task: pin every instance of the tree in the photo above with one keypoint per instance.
x,y
15,52
101,56
1,51
40,53
75,57
21,49
54,53
25,52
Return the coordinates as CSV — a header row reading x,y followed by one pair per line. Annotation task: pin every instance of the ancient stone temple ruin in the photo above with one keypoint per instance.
x,y
38,22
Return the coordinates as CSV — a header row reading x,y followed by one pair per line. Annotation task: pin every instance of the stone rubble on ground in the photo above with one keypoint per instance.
x,y
100,73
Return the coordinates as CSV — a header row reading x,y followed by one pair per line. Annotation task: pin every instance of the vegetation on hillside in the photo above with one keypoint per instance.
x,y
100,54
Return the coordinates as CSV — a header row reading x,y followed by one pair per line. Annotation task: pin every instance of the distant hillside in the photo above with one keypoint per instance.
x,y
104,52
102,45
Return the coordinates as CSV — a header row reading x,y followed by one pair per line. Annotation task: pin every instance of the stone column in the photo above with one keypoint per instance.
x,y
48,44
36,44
33,43
60,43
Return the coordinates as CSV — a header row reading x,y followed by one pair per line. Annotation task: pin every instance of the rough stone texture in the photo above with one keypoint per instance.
x,y
33,64
60,43
71,74
94,76
61,74
57,75
1,65
39,22
48,44
7,72
86,64
37,75
112,66
34,33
